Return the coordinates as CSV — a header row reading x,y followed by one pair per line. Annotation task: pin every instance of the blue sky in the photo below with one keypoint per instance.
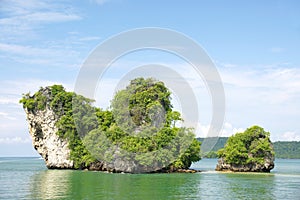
x,y
254,44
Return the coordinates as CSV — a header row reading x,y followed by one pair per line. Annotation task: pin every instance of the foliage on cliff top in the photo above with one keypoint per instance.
x,y
146,102
251,146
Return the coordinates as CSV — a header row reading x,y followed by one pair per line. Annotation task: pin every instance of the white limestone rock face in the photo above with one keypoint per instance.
x,y
48,144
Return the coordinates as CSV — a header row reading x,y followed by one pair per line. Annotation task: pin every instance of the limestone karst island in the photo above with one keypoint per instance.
x,y
250,151
138,134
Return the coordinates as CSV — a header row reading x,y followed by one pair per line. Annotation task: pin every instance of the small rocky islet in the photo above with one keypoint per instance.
x,y
249,151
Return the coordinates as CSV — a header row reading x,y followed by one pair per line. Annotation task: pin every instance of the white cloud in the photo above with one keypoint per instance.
x,y
16,7
27,50
28,18
35,10
14,140
202,130
38,18
272,85
227,130
21,18
59,56
290,136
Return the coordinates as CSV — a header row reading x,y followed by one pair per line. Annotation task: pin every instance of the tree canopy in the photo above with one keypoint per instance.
x,y
251,146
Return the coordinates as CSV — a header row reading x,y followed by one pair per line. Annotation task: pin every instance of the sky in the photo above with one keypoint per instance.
x,y
253,44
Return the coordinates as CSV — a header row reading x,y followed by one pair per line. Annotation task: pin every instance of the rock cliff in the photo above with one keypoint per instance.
x,y
267,166
53,149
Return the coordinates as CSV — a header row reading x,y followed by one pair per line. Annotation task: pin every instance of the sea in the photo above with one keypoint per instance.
x,y
28,178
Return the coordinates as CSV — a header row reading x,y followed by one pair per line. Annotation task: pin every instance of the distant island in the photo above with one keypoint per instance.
x,y
138,134
248,151
283,149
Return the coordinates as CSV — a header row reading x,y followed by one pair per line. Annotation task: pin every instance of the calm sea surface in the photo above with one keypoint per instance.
x,y
28,178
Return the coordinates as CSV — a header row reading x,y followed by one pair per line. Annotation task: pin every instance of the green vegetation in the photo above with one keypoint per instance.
x,y
141,124
290,150
251,146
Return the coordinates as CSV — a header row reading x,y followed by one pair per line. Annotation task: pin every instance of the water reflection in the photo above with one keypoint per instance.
x,y
66,184
147,186
50,184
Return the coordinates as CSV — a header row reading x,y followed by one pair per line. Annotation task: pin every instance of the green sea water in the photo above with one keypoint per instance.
x,y
28,178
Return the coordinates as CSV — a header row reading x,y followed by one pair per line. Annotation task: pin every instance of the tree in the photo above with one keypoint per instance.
x,y
143,113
